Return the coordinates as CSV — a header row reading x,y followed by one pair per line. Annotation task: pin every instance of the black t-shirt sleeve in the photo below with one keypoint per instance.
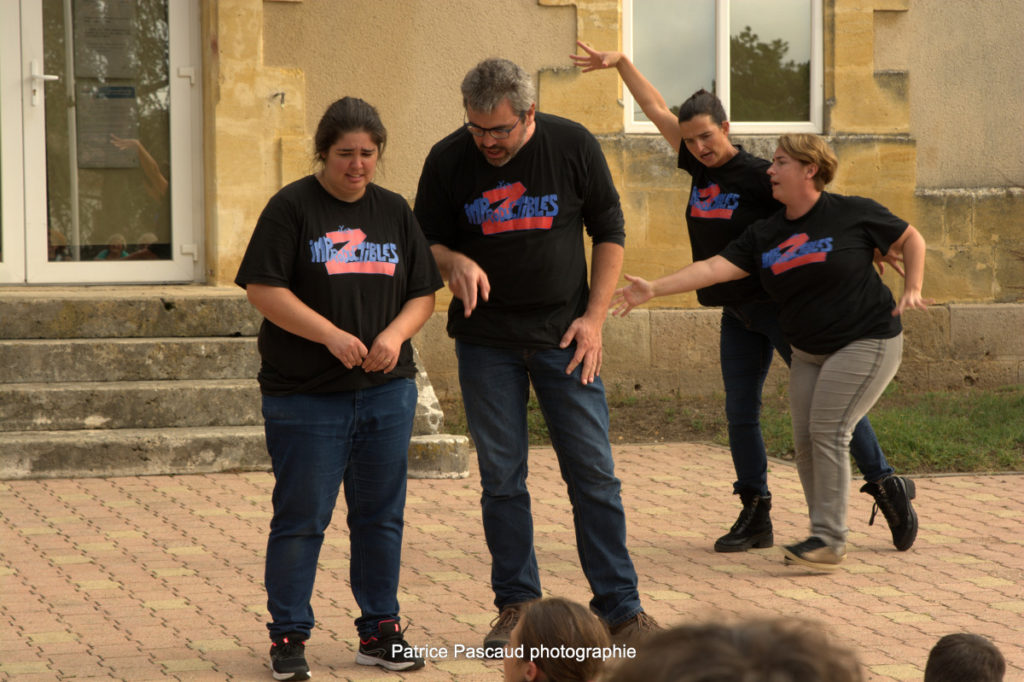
x,y
434,207
687,161
602,210
423,277
437,204
270,257
881,226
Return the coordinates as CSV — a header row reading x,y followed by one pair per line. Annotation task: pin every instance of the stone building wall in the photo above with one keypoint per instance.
x,y
924,117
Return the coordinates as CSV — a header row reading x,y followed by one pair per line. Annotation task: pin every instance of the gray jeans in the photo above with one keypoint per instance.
x,y
828,395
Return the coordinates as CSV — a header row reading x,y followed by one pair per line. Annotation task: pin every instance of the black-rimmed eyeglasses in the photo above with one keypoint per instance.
x,y
496,133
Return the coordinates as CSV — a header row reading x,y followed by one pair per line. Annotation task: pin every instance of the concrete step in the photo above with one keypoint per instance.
x,y
136,452
157,404
131,452
129,404
107,381
127,359
138,311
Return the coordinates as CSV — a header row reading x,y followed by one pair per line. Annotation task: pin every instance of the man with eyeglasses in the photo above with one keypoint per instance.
x,y
504,202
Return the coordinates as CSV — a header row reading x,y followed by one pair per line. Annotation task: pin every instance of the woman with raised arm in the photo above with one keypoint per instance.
x,y
729,191
815,261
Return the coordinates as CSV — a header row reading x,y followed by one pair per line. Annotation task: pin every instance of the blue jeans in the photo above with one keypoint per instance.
x,y
317,442
495,388
749,334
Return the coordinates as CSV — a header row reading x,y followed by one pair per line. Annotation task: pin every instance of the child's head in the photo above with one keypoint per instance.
x,y
775,650
546,629
963,656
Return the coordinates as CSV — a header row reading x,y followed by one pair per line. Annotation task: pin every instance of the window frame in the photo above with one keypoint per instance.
x,y
723,76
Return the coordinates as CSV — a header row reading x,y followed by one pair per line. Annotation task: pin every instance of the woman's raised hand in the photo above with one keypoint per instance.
x,y
594,60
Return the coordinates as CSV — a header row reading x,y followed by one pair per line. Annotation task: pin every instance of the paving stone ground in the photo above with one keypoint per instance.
x,y
160,577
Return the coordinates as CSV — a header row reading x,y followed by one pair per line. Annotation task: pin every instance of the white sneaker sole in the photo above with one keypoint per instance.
x,y
363,659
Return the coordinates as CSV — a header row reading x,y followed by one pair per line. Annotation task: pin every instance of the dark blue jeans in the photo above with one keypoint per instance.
x,y
495,389
750,334
317,443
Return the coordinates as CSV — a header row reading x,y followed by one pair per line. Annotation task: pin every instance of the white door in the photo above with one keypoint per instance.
x,y
106,96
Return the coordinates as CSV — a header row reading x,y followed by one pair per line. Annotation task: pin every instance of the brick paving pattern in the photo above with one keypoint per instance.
x,y
160,577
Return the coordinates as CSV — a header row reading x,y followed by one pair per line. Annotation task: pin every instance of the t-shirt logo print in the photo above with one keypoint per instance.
x,y
354,255
796,251
514,210
710,202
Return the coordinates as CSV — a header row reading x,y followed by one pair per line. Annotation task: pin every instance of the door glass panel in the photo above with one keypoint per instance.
x,y
107,129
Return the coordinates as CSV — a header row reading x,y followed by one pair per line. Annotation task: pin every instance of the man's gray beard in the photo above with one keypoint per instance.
x,y
498,163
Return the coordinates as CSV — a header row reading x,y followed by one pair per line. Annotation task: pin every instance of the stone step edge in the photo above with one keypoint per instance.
x,y
130,340
184,450
126,384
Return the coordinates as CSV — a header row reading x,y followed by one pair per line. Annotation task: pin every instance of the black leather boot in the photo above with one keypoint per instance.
x,y
893,495
753,528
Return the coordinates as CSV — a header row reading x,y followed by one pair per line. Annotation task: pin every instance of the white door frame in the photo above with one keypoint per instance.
x,y
186,262
12,194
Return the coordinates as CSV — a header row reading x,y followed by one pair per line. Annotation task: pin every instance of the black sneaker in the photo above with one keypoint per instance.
x,y
501,630
813,553
753,528
288,658
388,649
893,495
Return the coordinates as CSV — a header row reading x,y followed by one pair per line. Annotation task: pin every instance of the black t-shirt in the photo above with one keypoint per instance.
x,y
723,202
522,223
819,269
354,263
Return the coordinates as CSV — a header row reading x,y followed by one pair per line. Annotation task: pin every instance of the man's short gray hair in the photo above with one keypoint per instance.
x,y
493,80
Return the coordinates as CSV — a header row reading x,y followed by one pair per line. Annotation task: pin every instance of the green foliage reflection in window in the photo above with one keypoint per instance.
x,y
765,85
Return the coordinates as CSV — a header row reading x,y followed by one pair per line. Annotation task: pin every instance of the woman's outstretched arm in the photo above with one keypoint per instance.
x,y
698,275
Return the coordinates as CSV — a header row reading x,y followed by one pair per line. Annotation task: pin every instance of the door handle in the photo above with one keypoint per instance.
x,y
38,78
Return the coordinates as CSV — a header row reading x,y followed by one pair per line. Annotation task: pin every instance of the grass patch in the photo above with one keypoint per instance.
x,y
455,420
954,432
971,430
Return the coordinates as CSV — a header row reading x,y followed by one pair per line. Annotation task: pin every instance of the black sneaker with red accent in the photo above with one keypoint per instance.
x,y
388,649
288,658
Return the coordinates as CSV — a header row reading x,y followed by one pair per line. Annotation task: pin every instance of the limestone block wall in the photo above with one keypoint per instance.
x,y
655,352
408,59
964,345
975,252
975,243
254,130
882,66
884,115
861,98
258,125
270,69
